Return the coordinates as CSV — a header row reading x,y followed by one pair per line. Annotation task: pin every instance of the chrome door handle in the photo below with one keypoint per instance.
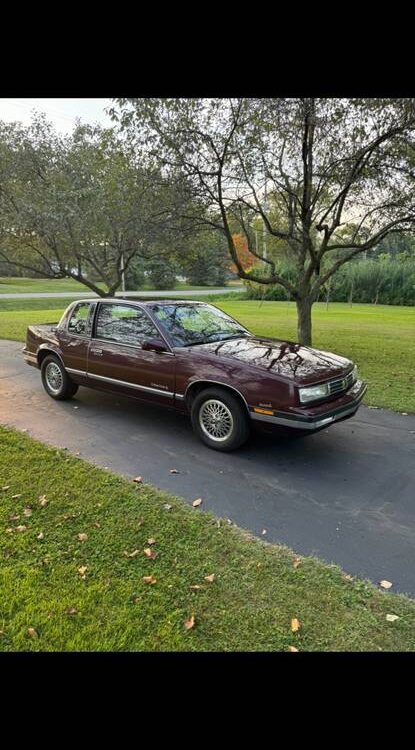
x,y
96,351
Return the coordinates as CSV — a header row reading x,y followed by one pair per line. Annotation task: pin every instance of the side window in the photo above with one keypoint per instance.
x,y
80,321
124,324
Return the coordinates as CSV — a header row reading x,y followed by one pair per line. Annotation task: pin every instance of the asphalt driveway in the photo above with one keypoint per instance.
x,y
346,494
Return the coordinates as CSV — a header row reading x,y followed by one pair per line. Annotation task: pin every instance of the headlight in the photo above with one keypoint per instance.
x,y
313,393
355,374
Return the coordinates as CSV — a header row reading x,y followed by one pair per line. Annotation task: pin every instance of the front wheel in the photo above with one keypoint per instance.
x,y
219,419
56,380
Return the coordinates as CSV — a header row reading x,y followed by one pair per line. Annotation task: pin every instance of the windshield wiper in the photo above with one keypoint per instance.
x,y
223,337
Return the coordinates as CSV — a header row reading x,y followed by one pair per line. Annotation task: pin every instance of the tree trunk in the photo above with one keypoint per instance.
x,y
304,326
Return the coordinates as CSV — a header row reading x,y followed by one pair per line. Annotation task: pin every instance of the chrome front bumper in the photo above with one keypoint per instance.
x,y
314,422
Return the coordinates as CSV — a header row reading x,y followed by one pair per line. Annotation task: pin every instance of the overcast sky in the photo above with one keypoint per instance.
x,y
61,112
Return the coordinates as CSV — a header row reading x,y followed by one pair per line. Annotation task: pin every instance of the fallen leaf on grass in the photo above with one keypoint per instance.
x,y
195,588
27,512
385,584
14,497
166,506
295,625
32,632
7,487
131,554
14,517
151,541
82,570
40,536
43,501
150,554
190,623
20,529
82,537
149,579
392,618
293,649
138,480
97,525
197,502
296,562
210,578
71,611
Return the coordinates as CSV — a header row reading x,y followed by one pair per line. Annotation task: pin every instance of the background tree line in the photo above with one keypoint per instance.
x,y
85,206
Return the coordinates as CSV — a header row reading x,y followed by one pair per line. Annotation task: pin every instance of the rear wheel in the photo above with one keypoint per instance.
x,y
219,419
56,380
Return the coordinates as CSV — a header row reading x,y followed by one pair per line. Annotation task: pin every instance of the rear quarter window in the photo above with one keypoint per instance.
x,y
80,319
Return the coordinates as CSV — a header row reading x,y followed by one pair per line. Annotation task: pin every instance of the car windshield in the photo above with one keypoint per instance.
x,y
188,325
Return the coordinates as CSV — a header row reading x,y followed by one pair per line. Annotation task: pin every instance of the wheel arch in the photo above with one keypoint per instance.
x,y
197,386
45,352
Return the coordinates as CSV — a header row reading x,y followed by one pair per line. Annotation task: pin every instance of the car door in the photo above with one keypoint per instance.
x,y
74,338
117,361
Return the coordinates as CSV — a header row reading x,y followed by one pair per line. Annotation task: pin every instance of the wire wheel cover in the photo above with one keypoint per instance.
x,y
216,419
54,377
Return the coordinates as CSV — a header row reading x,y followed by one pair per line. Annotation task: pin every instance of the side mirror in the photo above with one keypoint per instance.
x,y
154,345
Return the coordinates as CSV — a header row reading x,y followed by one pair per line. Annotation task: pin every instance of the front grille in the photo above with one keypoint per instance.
x,y
341,384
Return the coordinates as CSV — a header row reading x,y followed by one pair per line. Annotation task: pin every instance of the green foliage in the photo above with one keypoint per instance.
x,y
135,277
387,280
161,274
204,259
247,607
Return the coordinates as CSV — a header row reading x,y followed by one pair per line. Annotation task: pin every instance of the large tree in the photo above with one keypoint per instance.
x,y
327,177
79,206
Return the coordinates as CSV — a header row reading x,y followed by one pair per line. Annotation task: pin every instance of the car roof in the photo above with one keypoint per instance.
x,y
147,302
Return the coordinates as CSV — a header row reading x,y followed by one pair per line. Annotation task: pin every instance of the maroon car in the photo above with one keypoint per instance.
x,y
195,358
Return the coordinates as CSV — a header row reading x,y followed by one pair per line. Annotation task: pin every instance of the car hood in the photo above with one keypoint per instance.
x,y
293,361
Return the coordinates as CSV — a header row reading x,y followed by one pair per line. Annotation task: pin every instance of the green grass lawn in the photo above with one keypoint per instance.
x,y
89,593
21,285
379,338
